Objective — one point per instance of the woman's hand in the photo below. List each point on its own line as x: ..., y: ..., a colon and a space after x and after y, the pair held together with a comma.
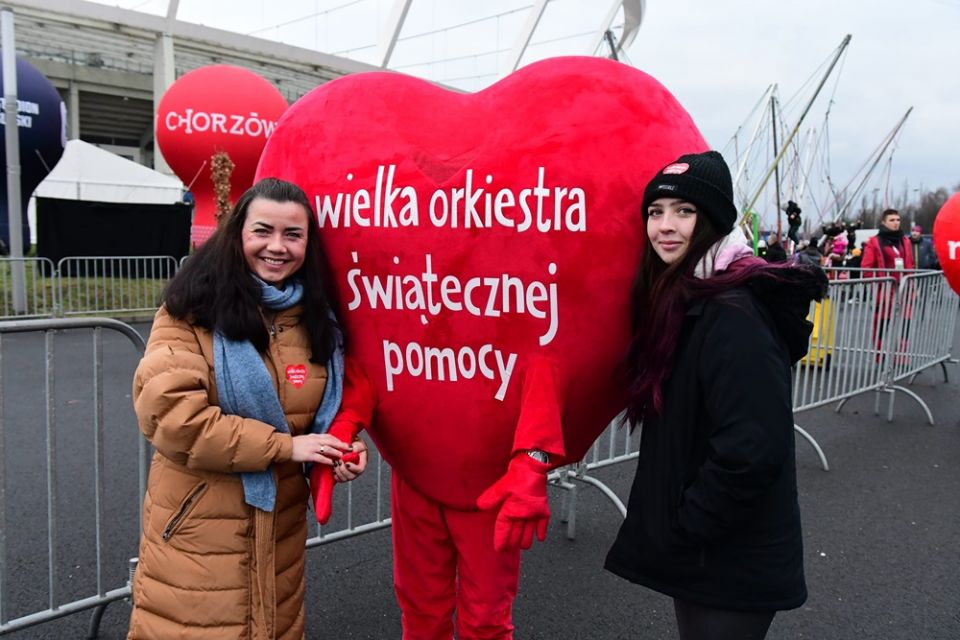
x: 321, y: 448
x: 349, y: 470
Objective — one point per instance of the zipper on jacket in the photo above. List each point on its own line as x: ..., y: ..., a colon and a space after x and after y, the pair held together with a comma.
x: 182, y: 511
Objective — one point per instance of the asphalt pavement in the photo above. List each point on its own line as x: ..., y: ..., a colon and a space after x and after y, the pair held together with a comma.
x: 880, y: 528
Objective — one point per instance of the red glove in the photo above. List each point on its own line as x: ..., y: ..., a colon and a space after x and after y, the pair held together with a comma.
x: 521, y: 495
x: 321, y: 476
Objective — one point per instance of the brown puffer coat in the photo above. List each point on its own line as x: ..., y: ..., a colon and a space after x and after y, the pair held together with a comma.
x: 212, y: 566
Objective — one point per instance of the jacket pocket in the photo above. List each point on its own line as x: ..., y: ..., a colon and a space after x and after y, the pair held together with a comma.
x: 183, y: 511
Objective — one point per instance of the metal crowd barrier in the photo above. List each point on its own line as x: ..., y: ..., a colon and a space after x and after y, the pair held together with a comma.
x: 40, y: 294
x: 353, y: 516
x: 116, y: 285
x: 618, y: 443
x: 65, y: 473
x: 354, y: 513
x: 875, y: 328
x: 928, y: 317
x: 850, y: 353
x: 918, y: 334
x: 360, y: 507
x: 843, y: 358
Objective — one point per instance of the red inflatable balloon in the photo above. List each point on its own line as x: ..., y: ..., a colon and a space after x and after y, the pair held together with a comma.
x: 946, y: 240
x: 216, y: 108
x: 473, y: 235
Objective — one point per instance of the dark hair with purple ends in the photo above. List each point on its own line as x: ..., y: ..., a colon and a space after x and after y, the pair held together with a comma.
x: 661, y: 293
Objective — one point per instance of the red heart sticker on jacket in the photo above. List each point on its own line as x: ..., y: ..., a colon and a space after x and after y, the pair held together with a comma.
x: 472, y: 235
x: 297, y: 374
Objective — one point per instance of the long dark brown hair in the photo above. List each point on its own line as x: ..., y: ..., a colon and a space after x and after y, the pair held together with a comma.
x: 215, y: 290
x: 661, y: 293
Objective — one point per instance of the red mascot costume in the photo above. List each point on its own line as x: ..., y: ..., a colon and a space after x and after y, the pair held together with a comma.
x: 483, y: 247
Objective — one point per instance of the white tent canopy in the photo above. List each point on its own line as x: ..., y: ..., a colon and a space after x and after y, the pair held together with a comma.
x: 87, y: 172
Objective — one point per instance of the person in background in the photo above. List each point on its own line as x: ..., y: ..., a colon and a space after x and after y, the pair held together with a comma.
x: 853, y: 263
x: 793, y: 221
x: 775, y: 250
x: 836, y: 250
x: 924, y: 255
x: 713, y: 519
x: 851, y: 228
x: 242, y: 376
x: 890, y: 252
x: 836, y: 256
x: 808, y: 253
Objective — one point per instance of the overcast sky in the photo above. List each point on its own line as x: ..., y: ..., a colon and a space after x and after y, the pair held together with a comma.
x: 717, y: 57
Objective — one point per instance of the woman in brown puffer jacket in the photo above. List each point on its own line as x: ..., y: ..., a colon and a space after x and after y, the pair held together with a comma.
x: 242, y: 376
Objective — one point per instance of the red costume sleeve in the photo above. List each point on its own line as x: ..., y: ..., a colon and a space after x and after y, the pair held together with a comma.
x: 520, y: 495
x: 539, y: 424
x: 356, y: 411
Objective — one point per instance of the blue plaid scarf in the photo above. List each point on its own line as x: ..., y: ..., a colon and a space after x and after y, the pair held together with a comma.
x: 246, y: 389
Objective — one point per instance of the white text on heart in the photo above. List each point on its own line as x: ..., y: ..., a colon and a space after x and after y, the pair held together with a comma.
x: 445, y: 364
x: 431, y: 293
x: 546, y: 209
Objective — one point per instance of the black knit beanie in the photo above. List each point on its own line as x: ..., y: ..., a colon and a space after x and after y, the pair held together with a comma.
x: 700, y: 178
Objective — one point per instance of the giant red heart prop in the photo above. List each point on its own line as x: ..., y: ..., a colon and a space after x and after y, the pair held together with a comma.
x: 505, y: 225
x: 946, y: 240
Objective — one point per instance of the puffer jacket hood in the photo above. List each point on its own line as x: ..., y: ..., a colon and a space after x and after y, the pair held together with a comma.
x: 786, y: 295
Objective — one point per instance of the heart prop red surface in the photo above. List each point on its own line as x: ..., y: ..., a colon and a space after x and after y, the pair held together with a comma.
x: 471, y: 235
x: 946, y: 240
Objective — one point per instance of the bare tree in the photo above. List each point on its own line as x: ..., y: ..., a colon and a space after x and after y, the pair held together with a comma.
x: 930, y: 203
x: 922, y: 209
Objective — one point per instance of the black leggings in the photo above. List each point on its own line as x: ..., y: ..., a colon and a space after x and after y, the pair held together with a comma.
x: 792, y: 234
x: 696, y: 622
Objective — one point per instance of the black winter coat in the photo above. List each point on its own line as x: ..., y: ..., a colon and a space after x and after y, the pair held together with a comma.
x: 713, y: 516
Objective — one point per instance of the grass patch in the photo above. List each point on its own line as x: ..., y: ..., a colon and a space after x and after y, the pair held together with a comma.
x: 100, y: 295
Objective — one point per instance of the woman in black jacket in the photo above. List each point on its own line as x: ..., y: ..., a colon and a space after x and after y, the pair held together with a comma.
x: 713, y: 519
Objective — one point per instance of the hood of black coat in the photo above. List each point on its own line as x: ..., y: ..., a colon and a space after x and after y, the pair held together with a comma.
x: 786, y: 294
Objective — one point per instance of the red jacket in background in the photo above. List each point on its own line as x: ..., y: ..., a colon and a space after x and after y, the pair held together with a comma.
x: 884, y: 256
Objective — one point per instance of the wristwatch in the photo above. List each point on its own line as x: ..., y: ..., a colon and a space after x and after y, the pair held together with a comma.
x: 539, y: 455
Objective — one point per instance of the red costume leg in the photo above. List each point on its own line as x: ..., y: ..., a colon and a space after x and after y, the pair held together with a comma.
x: 424, y: 564
x: 487, y: 578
